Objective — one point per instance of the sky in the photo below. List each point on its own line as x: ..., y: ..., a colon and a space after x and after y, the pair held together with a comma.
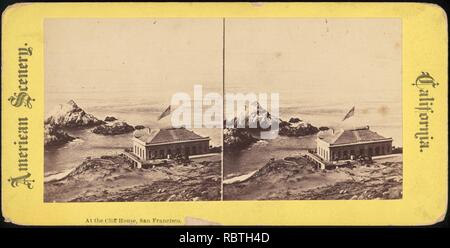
x: 326, y: 59
x: 132, y: 57
x: 323, y: 60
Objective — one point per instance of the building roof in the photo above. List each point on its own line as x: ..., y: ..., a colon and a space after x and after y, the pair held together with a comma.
x: 351, y: 136
x: 169, y: 135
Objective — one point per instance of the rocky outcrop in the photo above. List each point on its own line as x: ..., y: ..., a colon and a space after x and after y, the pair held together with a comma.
x: 257, y: 118
x: 69, y: 115
x: 54, y: 136
x: 246, y: 127
x: 295, y: 127
x: 110, y: 118
x: 236, y: 139
x: 294, y: 120
x: 240, y: 138
x: 115, y: 128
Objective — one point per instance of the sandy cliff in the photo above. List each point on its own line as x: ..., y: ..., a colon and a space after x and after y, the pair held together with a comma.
x: 111, y: 178
x: 295, y: 178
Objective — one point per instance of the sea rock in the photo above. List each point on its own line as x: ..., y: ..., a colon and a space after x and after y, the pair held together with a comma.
x: 256, y: 118
x: 295, y: 127
x: 247, y: 127
x: 237, y: 138
x: 110, y: 118
x: 69, y: 115
x: 113, y: 129
x: 53, y: 136
x: 294, y: 120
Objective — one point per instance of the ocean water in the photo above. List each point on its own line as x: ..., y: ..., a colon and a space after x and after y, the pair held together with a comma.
x: 136, y: 110
x: 380, y: 110
x: 261, y: 152
x: 383, y: 115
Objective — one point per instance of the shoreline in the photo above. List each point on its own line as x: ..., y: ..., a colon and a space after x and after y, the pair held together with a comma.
x: 113, y: 179
x: 59, y: 175
x: 297, y: 178
x: 263, y: 151
x: 240, y: 178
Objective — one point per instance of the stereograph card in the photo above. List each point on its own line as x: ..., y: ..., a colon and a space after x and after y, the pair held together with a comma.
x: 224, y: 114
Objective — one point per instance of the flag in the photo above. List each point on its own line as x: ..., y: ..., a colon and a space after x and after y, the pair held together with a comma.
x: 349, y: 114
x: 165, y: 113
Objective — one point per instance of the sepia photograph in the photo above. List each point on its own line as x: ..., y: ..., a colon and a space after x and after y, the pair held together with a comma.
x: 304, y: 109
x: 109, y: 85
x: 338, y: 117
x: 224, y: 114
